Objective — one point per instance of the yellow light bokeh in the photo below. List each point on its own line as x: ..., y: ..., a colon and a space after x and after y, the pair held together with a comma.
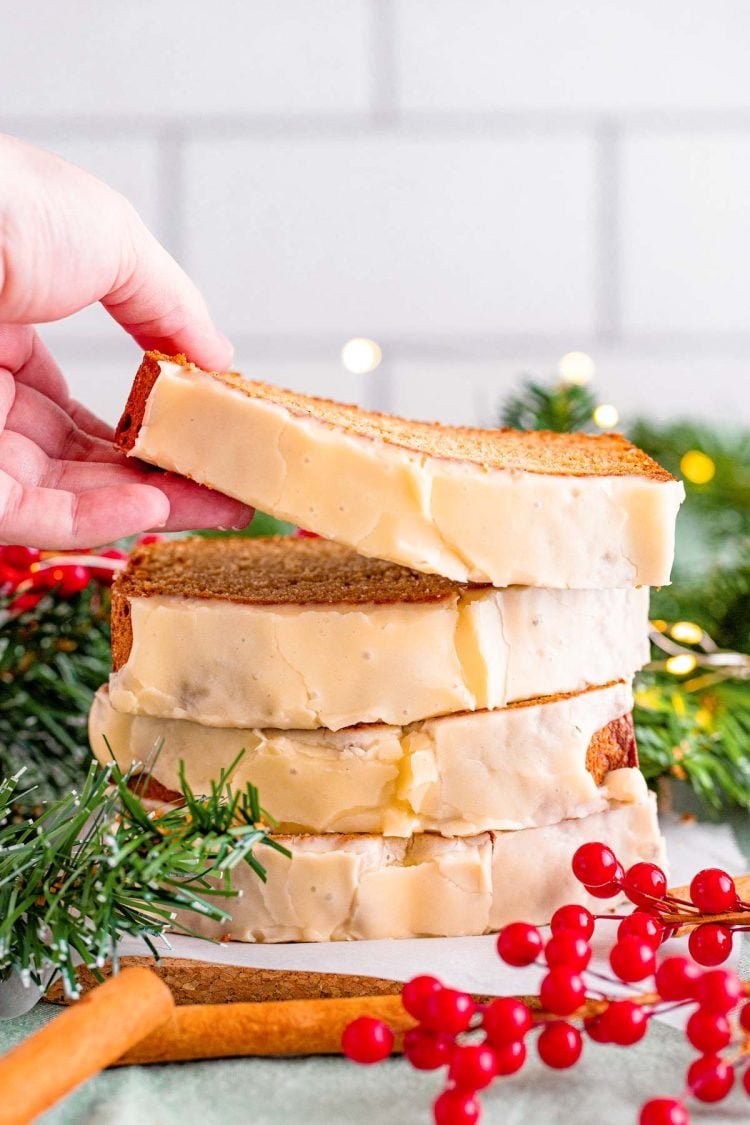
x: 697, y: 467
x: 576, y: 368
x: 682, y: 665
x: 687, y: 632
x: 606, y: 416
x: 361, y: 355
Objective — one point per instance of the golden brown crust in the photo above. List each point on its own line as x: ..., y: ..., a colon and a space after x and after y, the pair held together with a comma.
x: 539, y: 451
x: 275, y: 570
x: 280, y: 570
x: 611, y: 748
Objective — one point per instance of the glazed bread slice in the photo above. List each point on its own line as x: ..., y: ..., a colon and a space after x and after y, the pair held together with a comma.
x: 302, y: 633
x: 489, y: 506
x: 526, y: 765
x: 348, y: 887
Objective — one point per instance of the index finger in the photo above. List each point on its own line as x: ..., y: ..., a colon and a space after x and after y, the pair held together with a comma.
x: 67, y: 241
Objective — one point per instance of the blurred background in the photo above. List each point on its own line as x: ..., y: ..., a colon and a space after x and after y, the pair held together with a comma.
x: 478, y: 188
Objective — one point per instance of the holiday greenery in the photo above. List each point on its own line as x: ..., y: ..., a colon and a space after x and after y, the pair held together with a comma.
x: 97, y: 865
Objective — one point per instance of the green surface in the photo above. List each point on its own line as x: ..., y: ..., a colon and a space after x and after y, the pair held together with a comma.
x: 606, y: 1088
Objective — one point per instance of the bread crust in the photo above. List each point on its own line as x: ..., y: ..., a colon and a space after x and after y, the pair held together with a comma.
x: 536, y: 451
x: 274, y: 570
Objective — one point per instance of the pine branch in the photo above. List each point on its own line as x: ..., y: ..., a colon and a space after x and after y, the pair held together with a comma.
x: 699, y: 735
x: 558, y: 407
x: 52, y: 659
x: 98, y: 865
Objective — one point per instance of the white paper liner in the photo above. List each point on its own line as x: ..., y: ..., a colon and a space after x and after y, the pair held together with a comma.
x: 469, y: 963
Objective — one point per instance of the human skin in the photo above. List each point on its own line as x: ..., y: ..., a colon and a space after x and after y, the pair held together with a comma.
x: 68, y: 241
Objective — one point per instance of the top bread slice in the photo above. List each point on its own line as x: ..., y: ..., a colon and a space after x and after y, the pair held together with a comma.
x: 494, y: 506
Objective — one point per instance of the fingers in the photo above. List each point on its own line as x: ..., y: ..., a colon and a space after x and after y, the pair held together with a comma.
x: 161, y: 308
x: 25, y: 356
x: 58, y: 520
x: 190, y: 505
x: 53, y: 429
x: 193, y: 507
x: 67, y: 241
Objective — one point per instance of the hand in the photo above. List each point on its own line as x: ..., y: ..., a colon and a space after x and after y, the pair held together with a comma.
x: 67, y: 241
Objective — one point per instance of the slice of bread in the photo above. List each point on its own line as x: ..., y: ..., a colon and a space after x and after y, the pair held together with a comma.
x: 350, y: 887
x: 303, y: 633
x: 497, y: 506
x: 522, y: 766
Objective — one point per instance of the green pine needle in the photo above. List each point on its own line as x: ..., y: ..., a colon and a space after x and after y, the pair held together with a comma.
x: 97, y: 865
x: 700, y: 735
x: 52, y: 660
x: 559, y: 407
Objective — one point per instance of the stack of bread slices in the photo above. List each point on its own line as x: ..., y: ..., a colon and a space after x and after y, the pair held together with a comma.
x: 434, y: 698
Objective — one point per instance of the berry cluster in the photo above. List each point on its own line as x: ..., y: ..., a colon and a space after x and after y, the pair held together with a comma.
x: 481, y: 1042
x: 27, y: 574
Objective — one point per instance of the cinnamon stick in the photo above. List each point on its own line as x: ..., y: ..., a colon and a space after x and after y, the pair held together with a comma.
x: 280, y: 1028
x: 84, y: 1039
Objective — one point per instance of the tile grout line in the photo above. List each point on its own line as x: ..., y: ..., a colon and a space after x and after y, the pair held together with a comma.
x: 607, y: 235
x: 170, y: 162
x: 384, y: 62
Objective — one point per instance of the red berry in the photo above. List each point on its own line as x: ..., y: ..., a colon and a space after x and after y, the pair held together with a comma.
x: 632, y: 959
x: 568, y: 948
x: 510, y: 1057
x: 559, y: 1045
x: 74, y: 579
x: 427, y: 1050
x: 624, y: 1023
x: 596, y: 1029
x: 708, y: 1031
x: 713, y: 891
x: 519, y: 944
x: 710, y: 944
x: 416, y: 992
x: 609, y: 889
x: 449, y: 1011
x: 745, y: 1016
x: 147, y: 540
x: 676, y: 978
x: 645, y: 926
x: 10, y: 578
x: 594, y: 864
x: 20, y: 558
x: 473, y: 1066
x: 25, y: 602
x: 645, y: 883
x: 664, y: 1111
x: 718, y: 991
x: 456, y: 1107
x: 367, y: 1040
x: 562, y: 991
x: 746, y: 1080
x: 710, y: 1078
x: 573, y: 917
x: 506, y: 1020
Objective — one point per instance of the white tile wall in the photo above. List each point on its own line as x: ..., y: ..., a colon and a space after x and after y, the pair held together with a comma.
x: 592, y: 55
x: 686, y: 232
x: 185, y: 58
x: 480, y: 186
x: 392, y: 235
